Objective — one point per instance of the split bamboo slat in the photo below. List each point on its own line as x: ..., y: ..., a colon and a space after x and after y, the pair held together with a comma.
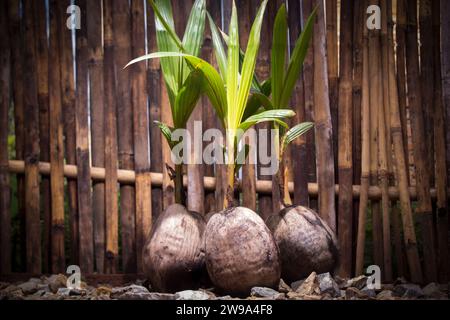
x: 111, y: 156
x: 140, y: 126
x: 5, y: 192
x: 323, y: 125
x: 86, y: 231
x: 97, y: 122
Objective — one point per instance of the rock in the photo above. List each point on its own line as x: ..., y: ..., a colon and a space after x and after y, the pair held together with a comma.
x: 263, y: 292
x: 192, y: 295
x: 408, y: 290
x: 358, y: 282
x: 354, y: 293
x: 11, y: 292
x: 30, y: 287
x: 103, y: 291
x: 224, y: 298
x: 369, y: 292
x: 135, y: 292
x: 328, y: 285
x: 56, y: 281
x: 67, y: 292
x: 296, y: 284
x: 283, y: 287
x: 310, y: 286
x: 432, y: 290
x: 385, y: 295
x: 3, y: 285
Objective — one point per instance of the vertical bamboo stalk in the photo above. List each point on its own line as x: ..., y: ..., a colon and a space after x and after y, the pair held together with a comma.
x: 323, y: 125
x: 111, y: 166
x: 42, y: 54
x: 445, y: 61
x: 376, y: 100
x: 439, y: 149
x: 56, y: 145
x: 298, y: 151
x: 31, y: 152
x: 401, y: 75
x: 122, y: 55
x: 82, y: 142
x: 365, y: 156
x: 409, y: 235
x: 248, y: 170
x: 141, y: 127
x: 424, y: 208
x: 5, y: 193
x: 345, y: 133
x: 426, y: 80
x: 16, y: 39
x: 333, y: 70
x: 154, y: 92
x: 384, y: 145
x: 308, y: 90
x: 95, y: 66
x: 68, y: 107
x: 358, y: 22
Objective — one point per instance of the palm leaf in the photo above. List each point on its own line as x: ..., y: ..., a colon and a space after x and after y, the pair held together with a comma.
x: 218, y: 48
x: 233, y: 69
x: 278, y: 57
x: 265, y: 116
x: 295, y: 132
x: 166, y: 131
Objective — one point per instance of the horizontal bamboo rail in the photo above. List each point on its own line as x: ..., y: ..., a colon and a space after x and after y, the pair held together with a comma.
x: 262, y: 186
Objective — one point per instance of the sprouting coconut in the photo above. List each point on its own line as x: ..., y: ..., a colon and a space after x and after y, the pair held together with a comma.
x: 305, y: 241
x: 240, y: 251
x: 174, y: 255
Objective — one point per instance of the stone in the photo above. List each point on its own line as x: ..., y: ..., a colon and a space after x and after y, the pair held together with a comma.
x: 56, y: 281
x: 408, y: 290
x: 296, y: 284
x: 30, y: 287
x: 353, y: 293
x: 67, y: 292
x: 283, y: 287
x: 11, y: 292
x: 358, y: 282
x: 385, y: 295
x: 263, y: 292
x: 225, y: 298
x: 328, y: 285
x: 369, y: 292
x: 103, y: 291
x: 432, y: 290
x: 310, y: 286
x: 192, y: 295
x: 135, y: 292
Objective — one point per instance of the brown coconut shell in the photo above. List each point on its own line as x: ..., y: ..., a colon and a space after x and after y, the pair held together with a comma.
x: 240, y: 252
x: 174, y: 255
x: 305, y: 241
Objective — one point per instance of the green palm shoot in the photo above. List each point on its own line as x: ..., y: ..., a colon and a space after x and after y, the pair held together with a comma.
x: 182, y: 82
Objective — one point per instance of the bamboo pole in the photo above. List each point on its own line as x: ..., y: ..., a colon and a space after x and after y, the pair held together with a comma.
x: 308, y: 84
x: 262, y: 186
x: 97, y: 111
x: 56, y: 145
x: 154, y: 93
x: 332, y: 53
x: 409, y: 235
x: 426, y: 81
x: 68, y: 107
x: 16, y: 35
x: 424, y: 208
x: 122, y: 55
x: 384, y: 146
x: 445, y: 61
x: 298, y: 149
x: 42, y: 54
x: 401, y: 77
x: 345, y: 133
x: 323, y: 125
x: 141, y: 127
x: 31, y: 152
x: 82, y: 143
x: 365, y: 157
x: 5, y: 192
x: 111, y: 165
x: 439, y: 149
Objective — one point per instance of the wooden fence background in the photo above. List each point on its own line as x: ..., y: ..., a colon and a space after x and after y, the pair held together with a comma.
x: 82, y: 168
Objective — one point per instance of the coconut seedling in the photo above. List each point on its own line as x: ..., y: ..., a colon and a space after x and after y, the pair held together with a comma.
x: 173, y: 256
x: 305, y: 241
